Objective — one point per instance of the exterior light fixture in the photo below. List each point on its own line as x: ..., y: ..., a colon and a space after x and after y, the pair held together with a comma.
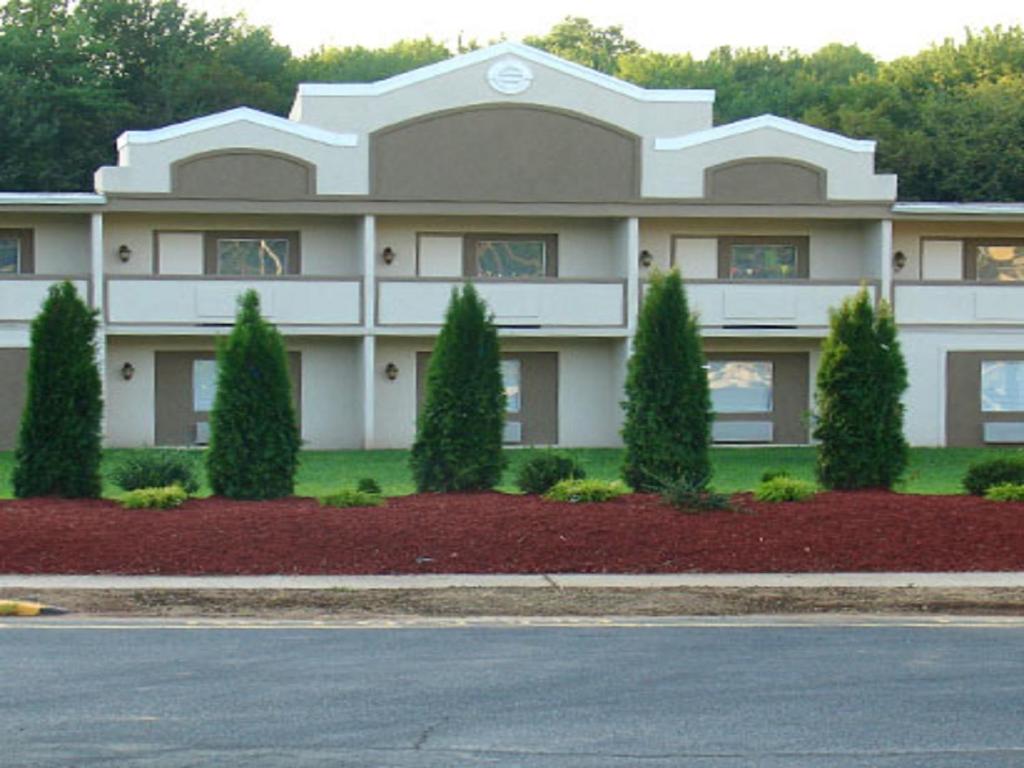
x: 388, y: 254
x: 391, y: 371
x: 127, y: 371
x: 899, y: 261
x: 124, y: 253
x: 646, y: 258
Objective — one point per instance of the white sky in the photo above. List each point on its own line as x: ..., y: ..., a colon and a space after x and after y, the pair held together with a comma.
x: 887, y: 29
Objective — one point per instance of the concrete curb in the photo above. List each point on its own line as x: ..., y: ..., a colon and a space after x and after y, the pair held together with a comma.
x: 966, y: 580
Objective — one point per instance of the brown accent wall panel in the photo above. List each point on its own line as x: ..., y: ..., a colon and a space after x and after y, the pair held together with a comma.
x: 766, y: 180
x: 964, y: 417
x: 13, y: 373
x: 790, y: 393
x: 243, y: 175
x: 175, y: 416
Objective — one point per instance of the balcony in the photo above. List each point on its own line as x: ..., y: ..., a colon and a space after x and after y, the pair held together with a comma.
x: 21, y: 296
x: 959, y: 303
x: 777, y: 304
x: 534, y: 303
x: 189, y: 301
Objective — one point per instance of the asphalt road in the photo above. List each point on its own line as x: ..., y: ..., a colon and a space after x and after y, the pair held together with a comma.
x: 731, y: 693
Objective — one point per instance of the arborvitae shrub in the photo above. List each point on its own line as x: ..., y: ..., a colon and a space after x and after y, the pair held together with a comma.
x: 861, y: 379
x: 538, y: 474
x: 458, y: 435
x: 982, y: 475
x: 157, y: 469
x: 254, y: 434
x: 58, y: 451
x: 668, y: 406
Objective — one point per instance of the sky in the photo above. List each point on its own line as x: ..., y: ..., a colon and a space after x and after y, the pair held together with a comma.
x: 886, y: 28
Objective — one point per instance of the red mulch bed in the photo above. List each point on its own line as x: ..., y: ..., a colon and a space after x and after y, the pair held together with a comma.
x: 495, y: 533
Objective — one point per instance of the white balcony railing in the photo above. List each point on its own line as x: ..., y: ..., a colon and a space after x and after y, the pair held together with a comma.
x: 165, y: 300
x: 21, y: 296
x: 959, y: 303
x: 550, y: 302
x: 804, y: 303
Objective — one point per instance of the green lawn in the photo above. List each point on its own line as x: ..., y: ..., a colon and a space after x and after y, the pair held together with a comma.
x: 932, y: 470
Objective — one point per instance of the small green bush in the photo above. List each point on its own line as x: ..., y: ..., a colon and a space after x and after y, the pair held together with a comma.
x: 369, y: 485
x: 1005, y: 492
x: 784, y: 488
x: 350, y: 497
x: 580, y: 491
x: 770, y: 474
x: 155, y: 498
x: 157, y: 469
x: 983, y: 475
x: 541, y: 473
x: 689, y: 494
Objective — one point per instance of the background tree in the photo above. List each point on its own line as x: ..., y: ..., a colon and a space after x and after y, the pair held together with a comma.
x: 459, y: 433
x: 254, y: 434
x: 58, y: 451
x: 667, y: 426
x: 861, y: 379
x: 577, y: 39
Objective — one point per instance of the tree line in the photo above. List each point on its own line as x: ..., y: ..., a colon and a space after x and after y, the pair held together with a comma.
x: 73, y: 75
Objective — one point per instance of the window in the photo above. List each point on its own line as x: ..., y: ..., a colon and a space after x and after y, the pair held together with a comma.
x: 762, y: 258
x: 511, y: 256
x: 511, y: 376
x: 204, y: 385
x: 740, y: 386
x: 1002, y: 385
x: 1001, y: 262
x: 252, y: 254
x: 15, y: 251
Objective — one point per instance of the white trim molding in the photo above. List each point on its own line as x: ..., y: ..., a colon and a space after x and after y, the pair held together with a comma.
x: 669, y: 144
x: 493, y: 52
x: 51, y: 198
x: 959, y: 209
x: 238, y: 115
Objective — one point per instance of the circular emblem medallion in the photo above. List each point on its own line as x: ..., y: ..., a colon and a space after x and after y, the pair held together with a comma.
x: 509, y: 76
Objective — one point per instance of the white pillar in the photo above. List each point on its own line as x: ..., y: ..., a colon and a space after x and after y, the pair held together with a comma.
x: 98, y: 302
x: 885, y: 254
x: 632, y: 246
x: 369, y: 227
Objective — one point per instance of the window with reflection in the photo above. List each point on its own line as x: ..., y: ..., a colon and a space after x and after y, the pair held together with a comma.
x: 249, y: 256
x: 510, y: 258
x: 762, y: 261
x: 1002, y: 385
x: 204, y: 385
x: 1004, y: 263
x: 511, y: 376
x: 740, y: 386
x: 10, y: 254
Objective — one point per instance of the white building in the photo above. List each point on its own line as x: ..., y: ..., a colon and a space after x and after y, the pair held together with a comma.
x: 555, y: 189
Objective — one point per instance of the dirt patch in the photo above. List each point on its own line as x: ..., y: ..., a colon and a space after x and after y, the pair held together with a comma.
x: 345, y: 604
x: 499, y: 533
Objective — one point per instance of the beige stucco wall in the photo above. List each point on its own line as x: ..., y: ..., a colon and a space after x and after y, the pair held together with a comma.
x: 331, y: 395
x: 588, y: 389
x: 907, y: 236
x: 330, y: 245
x: 586, y: 247
x: 60, y: 241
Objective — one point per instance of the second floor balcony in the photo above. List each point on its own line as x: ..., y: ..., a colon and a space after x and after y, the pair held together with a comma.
x: 22, y: 296
x: 959, y: 302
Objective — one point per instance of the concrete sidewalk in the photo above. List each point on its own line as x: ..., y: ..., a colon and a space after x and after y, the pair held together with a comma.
x: 967, y: 580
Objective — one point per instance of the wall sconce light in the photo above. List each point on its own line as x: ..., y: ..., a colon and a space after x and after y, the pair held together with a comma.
x: 899, y: 261
x: 388, y: 254
x: 391, y: 371
x: 127, y: 371
x: 124, y: 253
x: 646, y: 258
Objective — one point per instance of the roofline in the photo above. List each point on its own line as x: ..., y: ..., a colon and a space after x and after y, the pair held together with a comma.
x: 959, y: 209
x: 504, y: 49
x: 668, y: 144
x: 238, y: 114
x: 52, y: 198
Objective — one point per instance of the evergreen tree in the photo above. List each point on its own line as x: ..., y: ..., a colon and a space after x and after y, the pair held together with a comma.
x: 59, y: 450
x: 668, y: 406
x: 861, y: 379
x: 459, y: 433
x: 254, y: 434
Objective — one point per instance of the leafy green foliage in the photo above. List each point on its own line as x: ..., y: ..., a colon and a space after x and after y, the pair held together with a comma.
x: 351, y: 497
x: 584, y: 491
x: 58, y: 451
x: 155, y: 498
x: 543, y: 471
x: 254, y: 434
x: 369, y: 485
x: 667, y: 427
x: 982, y: 475
x: 1005, y: 492
x: 861, y: 379
x: 156, y: 469
x: 577, y: 39
x: 783, y: 488
x: 458, y: 434
x: 692, y: 495
x: 771, y: 474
